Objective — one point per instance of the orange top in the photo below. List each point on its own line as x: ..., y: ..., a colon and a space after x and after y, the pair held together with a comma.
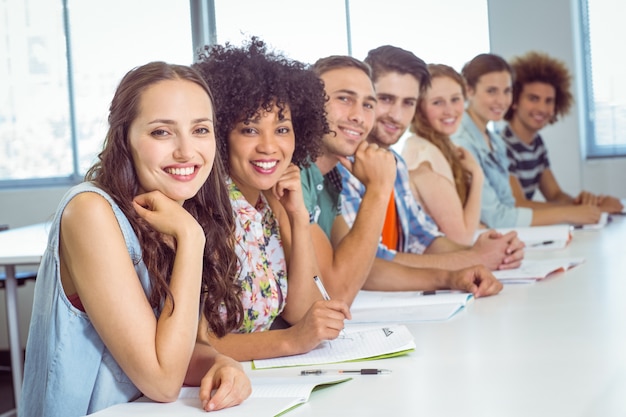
x: 390, y: 233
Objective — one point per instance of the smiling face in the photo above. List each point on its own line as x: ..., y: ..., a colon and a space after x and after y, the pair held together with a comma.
x: 259, y: 151
x: 535, y: 107
x: 490, y: 98
x: 172, y: 139
x: 443, y: 105
x: 397, y: 99
x: 350, y: 109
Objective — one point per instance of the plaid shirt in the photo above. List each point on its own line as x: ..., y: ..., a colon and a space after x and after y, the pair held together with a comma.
x: 418, y: 228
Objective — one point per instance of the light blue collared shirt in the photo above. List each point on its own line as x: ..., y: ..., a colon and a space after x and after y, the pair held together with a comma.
x: 497, y: 204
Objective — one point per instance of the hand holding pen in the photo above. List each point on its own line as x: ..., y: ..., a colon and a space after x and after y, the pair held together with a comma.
x: 325, y: 296
x: 323, y: 321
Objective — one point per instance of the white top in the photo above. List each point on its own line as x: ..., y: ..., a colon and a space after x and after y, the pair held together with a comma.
x: 418, y: 150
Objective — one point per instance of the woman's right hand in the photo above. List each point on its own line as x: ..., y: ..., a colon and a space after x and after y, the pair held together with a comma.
x: 323, y: 321
x: 166, y: 215
x: 224, y: 385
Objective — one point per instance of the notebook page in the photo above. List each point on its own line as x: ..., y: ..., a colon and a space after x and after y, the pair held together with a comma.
x: 358, y: 345
x: 398, y: 307
x: 270, y: 396
x: 537, y: 269
x: 295, y: 387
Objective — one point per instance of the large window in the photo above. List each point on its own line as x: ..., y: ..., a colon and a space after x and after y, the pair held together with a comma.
x: 35, y: 138
x: 62, y: 59
x: 603, y: 26
x: 444, y: 31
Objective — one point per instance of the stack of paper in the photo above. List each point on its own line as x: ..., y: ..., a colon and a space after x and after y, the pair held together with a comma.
x: 356, y: 345
x: 534, y: 270
x: 406, y: 306
x: 270, y: 396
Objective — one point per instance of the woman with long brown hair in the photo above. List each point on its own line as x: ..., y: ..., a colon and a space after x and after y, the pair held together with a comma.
x: 135, y: 253
x: 445, y: 178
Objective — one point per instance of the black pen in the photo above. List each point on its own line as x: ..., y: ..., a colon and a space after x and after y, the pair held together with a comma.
x: 545, y: 242
x: 365, y: 371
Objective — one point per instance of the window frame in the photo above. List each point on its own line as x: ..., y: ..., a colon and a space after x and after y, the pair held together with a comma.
x: 588, y: 116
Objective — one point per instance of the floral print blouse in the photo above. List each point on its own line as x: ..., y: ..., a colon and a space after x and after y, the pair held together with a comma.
x: 262, y: 265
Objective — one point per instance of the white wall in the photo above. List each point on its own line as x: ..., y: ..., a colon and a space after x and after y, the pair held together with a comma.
x: 515, y: 26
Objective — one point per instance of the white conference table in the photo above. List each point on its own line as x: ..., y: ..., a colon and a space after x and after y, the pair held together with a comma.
x: 19, y: 246
x: 553, y: 348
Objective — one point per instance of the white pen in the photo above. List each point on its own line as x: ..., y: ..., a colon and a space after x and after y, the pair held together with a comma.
x: 320, y: 286
x: 325, y: 296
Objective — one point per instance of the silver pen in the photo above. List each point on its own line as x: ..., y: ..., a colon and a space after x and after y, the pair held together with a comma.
x: 325, y: 296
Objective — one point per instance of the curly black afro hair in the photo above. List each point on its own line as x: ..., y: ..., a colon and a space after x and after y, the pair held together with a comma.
x: 245, y: 80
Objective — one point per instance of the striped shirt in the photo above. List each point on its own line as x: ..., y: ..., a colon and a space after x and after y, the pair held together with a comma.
x: 527, y: 161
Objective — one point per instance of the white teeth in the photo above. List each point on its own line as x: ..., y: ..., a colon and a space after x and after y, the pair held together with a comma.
x: 352, y: 132
x: 180, y: 171
x: 266, y: 165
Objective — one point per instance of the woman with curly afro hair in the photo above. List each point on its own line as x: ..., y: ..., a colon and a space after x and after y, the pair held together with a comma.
x: 270, y: 120
x: 541, y: 94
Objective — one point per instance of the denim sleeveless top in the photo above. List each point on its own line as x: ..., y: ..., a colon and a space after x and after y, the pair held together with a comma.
x: 68, y: 371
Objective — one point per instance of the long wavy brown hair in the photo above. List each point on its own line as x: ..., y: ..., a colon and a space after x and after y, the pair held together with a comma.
x: 114, y: 172
x: 422, y: 127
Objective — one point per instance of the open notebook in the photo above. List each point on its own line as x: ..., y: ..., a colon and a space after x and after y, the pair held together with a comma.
x: 406, y: 306
x: 271, y: 396
x: 533, y: 270
x: 358, y: 344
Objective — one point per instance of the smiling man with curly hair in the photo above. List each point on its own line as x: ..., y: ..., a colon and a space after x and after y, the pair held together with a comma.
x: 541, y: 95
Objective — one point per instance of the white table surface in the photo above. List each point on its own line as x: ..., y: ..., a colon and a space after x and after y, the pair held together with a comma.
x: 23, y: 245
x: 19, y: 246
x: 553, y: 348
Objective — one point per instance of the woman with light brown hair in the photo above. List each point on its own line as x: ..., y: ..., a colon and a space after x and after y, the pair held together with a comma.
x: 445, y: 178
